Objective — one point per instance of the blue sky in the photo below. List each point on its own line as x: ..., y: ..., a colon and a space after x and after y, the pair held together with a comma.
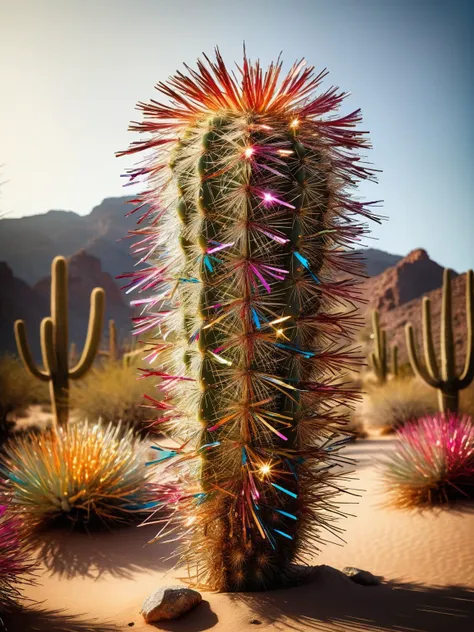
x: 72, y: 71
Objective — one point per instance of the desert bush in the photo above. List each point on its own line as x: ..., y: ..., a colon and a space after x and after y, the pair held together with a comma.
x: 112, y: 391
x: 389, y: 406
x: 18, y: 390
x: 433, y: 461
x: 16, y: 562
x: 85, y: 473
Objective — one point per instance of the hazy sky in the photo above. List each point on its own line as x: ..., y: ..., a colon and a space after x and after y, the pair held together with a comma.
x: 71, y: 72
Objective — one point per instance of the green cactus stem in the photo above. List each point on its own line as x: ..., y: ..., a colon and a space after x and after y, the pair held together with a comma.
x: 250, y: 223
x: 55, y: 343
x: 112, y: 350
x: 443, y: 376
x: 394, y: 367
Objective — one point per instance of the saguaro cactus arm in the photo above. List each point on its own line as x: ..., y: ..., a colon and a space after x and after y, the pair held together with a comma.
x: 417, y: 366
x: 467, y: 375
x: 378, y: 357
x: 47, y: 345
x: 429, y: 352
x: 94, y: 333
x: 395, y: 361
x: 448, y: 359
x: 25, y: 353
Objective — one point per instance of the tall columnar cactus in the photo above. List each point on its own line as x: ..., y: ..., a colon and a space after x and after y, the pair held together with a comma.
x: 55, y: 342
x: 443, y: 377
x: 378, y: 359
x: 111, y: 352
x: 250, y: 222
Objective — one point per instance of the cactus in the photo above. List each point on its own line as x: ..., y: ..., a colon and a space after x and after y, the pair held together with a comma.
x: 251, y: 216
x: 112, y: 351
x: 444, y: 377
x: 378, y: 359
x: 395, y: 371
x: 55, y: 343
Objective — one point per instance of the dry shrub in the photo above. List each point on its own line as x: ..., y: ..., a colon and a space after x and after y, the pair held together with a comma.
x: 398, y: 401
x: 18, y: 389
x: 112, y: 392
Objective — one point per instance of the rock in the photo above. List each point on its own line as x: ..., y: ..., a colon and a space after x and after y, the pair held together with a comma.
x: 169, y: 603
x: 364, y: 578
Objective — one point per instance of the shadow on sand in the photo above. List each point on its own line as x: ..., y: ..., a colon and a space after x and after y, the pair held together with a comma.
x: 197, y: 620
x: 119, y: 553
x: 332, y: 602
x: 36, y: 619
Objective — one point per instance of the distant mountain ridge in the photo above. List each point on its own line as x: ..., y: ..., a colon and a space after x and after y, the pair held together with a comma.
x: 28, y: 244
x: 99, y: 250
x: 20, y: 301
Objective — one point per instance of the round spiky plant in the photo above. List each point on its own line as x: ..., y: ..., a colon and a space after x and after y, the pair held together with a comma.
x: 247, y: 288
x: 84, y: 473
x: 433, y: 461
x: 16, y: 563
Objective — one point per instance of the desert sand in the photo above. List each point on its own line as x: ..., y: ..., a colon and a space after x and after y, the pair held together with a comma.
x: 98, y: 582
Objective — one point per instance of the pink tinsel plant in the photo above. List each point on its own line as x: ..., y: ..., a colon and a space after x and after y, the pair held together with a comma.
x: 16, y: 564
x: 433, y: 462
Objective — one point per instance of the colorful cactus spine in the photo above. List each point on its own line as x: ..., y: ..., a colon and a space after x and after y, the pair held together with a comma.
x: 444, y: 377
x: 250, y: 217
x: 55, y: 343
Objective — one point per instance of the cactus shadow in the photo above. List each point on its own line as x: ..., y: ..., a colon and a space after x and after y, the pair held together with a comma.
x: 331, y: 601
x: 36, y: 619
x: 120, y: 553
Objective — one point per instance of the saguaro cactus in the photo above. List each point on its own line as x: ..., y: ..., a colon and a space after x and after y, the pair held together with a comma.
x: 111, y: 352
x: 55, y: 342
x: 378, y: 359
x: 444, y: 378
x: 248, y: 194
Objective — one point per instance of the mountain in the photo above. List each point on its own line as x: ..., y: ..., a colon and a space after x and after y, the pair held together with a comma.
x: 394, y: 321
x: 102, y: 233
x: 410, y: 277
x: 20, y: 301
x: 377, y: 261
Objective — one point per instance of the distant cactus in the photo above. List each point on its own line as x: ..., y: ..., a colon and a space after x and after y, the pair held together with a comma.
x: 444, y: 378
x: 112, y: 351
x: 55, y: 343
x: 378, y: 359
x: 395, y: 371
x: 251, y: 216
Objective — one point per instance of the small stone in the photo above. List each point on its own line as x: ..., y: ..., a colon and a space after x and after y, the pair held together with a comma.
x: 169, y: 603
x: 130, y: 625
x: 255, y: 622
x: 364, y: 578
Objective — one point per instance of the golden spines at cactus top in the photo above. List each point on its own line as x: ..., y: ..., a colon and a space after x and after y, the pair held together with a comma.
x: 248, y: 195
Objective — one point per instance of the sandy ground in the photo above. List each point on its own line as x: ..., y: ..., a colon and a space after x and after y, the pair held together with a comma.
x: 99, y: 582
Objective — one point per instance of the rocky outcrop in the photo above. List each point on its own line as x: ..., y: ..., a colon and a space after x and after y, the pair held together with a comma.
x: 414, y: 275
